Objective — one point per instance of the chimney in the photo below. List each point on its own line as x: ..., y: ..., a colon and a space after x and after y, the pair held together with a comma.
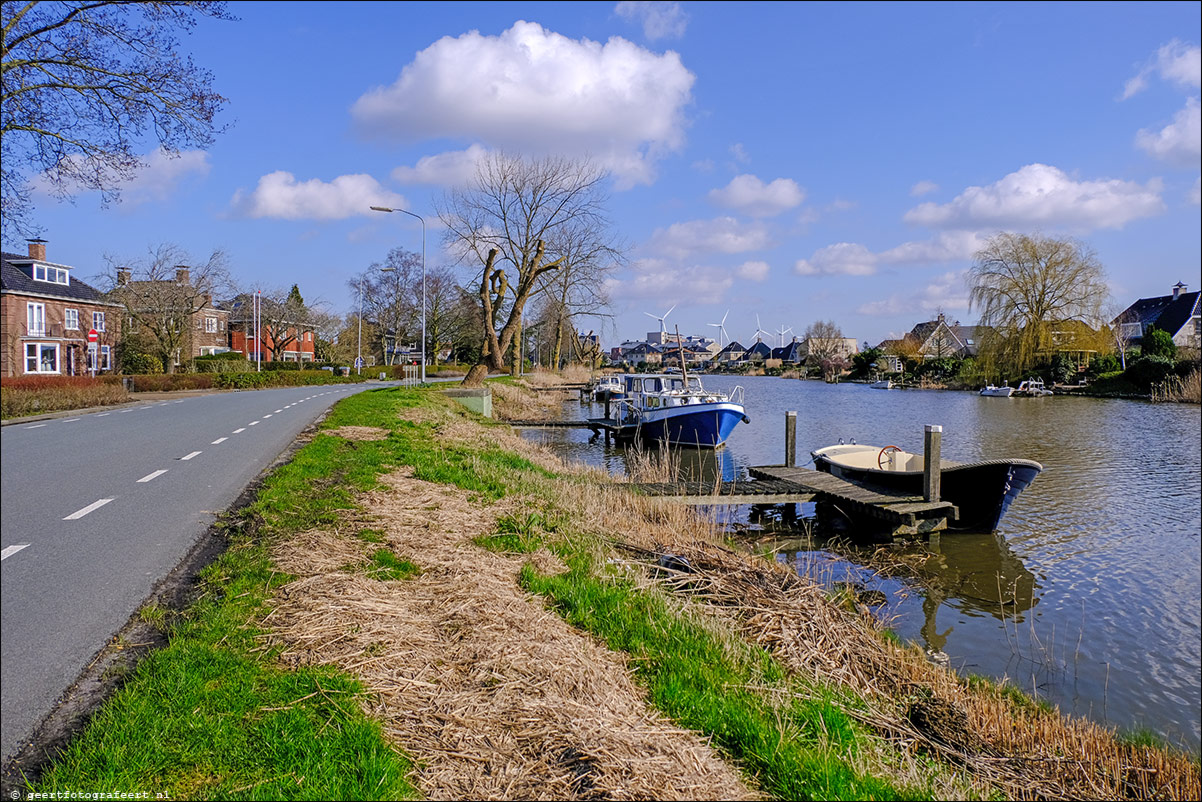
x: 123, y: 275
x: 1178, y: 288
x: 181, y: 274
x: 37, y: 249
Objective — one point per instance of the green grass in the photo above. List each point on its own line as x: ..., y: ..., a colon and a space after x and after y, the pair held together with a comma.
x: 386, y: 565
x: 794, y: 747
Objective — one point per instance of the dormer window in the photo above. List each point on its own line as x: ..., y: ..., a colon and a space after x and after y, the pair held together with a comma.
x: 54, y: 275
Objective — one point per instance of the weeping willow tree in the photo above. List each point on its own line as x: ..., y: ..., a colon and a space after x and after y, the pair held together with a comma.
x: 1029, y: 288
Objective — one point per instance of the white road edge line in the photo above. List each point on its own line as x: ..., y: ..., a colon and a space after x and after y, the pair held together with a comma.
x: 95, y: 505
x: 150, y: 476
x: 36, y: 426
x: 11, y: 550
x: 187, y: 457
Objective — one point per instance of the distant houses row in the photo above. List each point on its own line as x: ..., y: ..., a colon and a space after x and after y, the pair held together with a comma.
x: 55, y: 324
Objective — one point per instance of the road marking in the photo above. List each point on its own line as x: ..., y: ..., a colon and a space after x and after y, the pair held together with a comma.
x: 36, y: 426
x: 219, y: 440
x: 253, y: 423
x: 239, y: 431
x: 150, y: 476
x: 278, y: 411
x: 68, y: 420
x: 102, y: 414
x: 268, y: 415
x: 187, y: 457
x: 95, y: 505
x: 11, y: 550
x: 143, y: 407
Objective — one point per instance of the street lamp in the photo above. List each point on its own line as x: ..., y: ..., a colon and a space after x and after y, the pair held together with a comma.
x: 359, y: 361
x: 423, y: 222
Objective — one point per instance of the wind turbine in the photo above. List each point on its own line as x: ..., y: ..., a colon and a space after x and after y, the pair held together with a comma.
x: 758, y: 330
x: 721, y: 327
x: 782, y: 331
x: 661, y: 320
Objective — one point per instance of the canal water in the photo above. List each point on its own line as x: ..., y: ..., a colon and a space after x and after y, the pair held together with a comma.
x: 1089, y: 596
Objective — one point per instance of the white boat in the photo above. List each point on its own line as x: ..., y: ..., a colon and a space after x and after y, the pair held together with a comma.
x: 608, y: 388
x: 676, y: 409
x: 883, y: 384
x: 1032, y: 388
x: 982, y: 491
x: 997, y: 392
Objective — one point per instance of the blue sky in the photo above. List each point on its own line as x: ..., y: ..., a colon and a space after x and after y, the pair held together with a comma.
x: 794, y: 162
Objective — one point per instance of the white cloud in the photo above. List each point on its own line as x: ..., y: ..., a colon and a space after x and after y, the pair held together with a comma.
x: 453, y: 168
x: 740, y: 153
x: 842, y: 258
x: 751, y: 196
x: 657, y: 283
x: 720, y: 235
x: 1180, y: 142
x: 279, y: 195
x: 535, y: 91
x: 660, y: 20
x: 1175, y: 62
x: 753, y: 271
x: 947, y: 293
x: 923, y: 188
x: 1039, y: 195
x: 157, y: 178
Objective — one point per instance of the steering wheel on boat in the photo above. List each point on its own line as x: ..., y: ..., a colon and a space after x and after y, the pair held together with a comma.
x: 880, y: 458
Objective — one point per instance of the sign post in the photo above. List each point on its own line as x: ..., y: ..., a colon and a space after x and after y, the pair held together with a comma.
x: 93, y: 349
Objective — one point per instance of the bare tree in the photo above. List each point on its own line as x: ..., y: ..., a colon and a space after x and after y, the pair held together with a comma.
x: 283, y: 319
x: 82, y: 84
x: 1024, y: 285
x: 162, y: 291
x: 391, y: 297
x: 513, y: 225
x: 825, y: 347
x: 577, y: 289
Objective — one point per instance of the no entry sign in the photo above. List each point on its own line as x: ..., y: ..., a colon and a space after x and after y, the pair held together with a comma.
x: 93, y: 336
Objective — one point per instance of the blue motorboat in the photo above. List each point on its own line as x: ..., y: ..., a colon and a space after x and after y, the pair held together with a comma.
x: 676, y: 409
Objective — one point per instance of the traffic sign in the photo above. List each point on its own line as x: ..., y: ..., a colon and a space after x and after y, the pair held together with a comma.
x: 359, y: 362
x: 93, y: 336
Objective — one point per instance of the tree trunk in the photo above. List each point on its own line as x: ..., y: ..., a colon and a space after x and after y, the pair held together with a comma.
x: 515, y: 367
x: 476, y: 375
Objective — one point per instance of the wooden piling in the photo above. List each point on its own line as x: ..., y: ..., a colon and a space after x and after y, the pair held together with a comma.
x: 932, y: 469
x: 790, y: 439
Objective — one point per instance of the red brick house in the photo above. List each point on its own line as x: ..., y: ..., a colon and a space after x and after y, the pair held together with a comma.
x: 282, y: 339
x: 47, y: 314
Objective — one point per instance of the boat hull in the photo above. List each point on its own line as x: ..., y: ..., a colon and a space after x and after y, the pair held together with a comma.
x: 694, y: 425
x: 982, y: 491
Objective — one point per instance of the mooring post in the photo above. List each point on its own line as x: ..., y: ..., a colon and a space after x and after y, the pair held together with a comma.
x: 790, y: 439
x: 932, y: 469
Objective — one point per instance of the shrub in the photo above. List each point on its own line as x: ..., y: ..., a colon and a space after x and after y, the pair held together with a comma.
x: 228, y: 362
x: 32, y: 395
x: 167, y: 382
x: 1148, y: 370
x: 1104, y: 363
x: 138, y: 362
x: 1158, y: 342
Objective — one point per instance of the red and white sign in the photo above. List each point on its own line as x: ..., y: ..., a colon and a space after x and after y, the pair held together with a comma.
x: 93, y: 336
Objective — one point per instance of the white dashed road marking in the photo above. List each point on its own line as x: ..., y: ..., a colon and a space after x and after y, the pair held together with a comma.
x: 219, y: 440
x: 187, y: 457
x: 11, y: 550
x: 95, y: 505
x: 150, y: 476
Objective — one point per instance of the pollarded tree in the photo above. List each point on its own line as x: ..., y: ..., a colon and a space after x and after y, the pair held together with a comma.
x: 1026, y: 286
x: 518, y: 220
x: 84, y: 84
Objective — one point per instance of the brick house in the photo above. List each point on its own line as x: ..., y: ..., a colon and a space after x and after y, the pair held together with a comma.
x: 47, y: 315
x: 297, y: 342
x: 175, y: 310
x: 1180, y: 314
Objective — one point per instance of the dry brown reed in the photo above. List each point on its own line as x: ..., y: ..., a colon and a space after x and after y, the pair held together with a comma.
x: 493, y: 696
x: 1179, y: 390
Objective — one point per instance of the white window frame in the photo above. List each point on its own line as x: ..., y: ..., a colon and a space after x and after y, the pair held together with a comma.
x: 106, y: 357
x: 35, y: 319
x: 98, y: 321
x: 38, y: 355
x: 51, y: 275
x: 71, y: 319
x: 210, y: 325
x: 1132, y: 329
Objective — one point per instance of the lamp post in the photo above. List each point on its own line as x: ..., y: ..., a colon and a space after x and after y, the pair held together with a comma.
x: 359, y: 360
x: 423, y: 222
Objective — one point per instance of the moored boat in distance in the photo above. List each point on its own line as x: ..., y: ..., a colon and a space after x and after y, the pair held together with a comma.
x: 676, y: 409
x: 608, y: 388
x: 1032, y: 388
x: 883, y: 384
x: 997, y: 392
x: 982, y: 491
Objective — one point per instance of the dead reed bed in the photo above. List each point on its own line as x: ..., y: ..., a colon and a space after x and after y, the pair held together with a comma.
x: 1178, y: 390
x: 491, y: 694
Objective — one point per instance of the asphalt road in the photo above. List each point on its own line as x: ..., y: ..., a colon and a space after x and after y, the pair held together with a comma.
x: 99, y: 507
